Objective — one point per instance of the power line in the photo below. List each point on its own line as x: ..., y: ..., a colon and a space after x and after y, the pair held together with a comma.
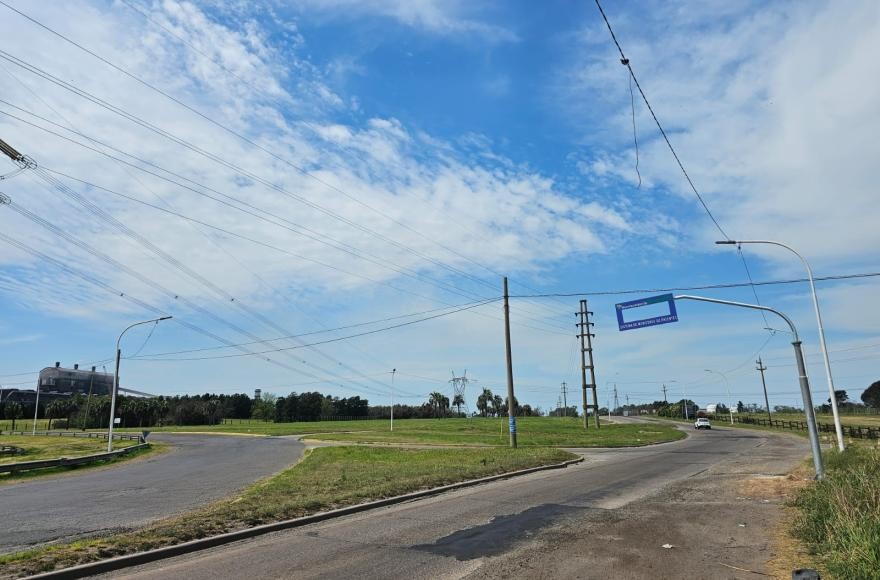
x: 235, y: 203
x: 625, y: 61
x: 329, y: 340
x: 271, y: 153
x: 704, y: 287
x: 180, y: 141
x: 458, y: 308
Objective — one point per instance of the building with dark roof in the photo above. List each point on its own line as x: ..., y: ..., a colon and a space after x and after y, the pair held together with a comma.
x: 71, y: 381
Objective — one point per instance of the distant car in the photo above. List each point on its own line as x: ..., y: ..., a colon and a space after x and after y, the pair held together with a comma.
x: 702, y: 423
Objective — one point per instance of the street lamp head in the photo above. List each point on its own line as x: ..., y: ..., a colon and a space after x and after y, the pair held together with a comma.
x: 169, y: 317
x: 726, y: 242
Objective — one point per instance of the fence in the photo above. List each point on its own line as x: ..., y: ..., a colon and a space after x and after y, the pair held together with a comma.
x: 68, y: 462
x: 854, y: 431
x: 88, y: 434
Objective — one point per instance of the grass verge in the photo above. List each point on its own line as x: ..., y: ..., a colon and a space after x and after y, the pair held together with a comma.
x: 838, y: 518
x: 326, y: 478
x: 47, y: 447
x: 531, y: 431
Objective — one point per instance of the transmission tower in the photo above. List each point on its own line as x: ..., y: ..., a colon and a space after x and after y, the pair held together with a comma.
x: 459, y: 386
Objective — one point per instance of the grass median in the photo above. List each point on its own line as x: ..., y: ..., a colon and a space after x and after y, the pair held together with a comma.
x: 52, y: 447
x: 325, y: 479
x: 531, y: 431
x: 39, y: 447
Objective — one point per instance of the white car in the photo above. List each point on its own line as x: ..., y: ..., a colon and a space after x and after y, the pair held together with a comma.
x: 702, y: 423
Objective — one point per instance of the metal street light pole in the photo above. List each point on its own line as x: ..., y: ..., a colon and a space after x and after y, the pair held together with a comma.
x: 116, y: 376
x: 837, y: 426
x: 804, y: 382
x: 727, y: 384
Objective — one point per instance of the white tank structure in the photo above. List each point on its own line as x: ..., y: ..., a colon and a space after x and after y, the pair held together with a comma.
x: 710, y: 409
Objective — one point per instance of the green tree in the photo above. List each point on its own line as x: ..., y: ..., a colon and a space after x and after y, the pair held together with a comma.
x: 457, y: 402
x: 871, y: 396
x: 484, y: 401
x: 436, y: 401
x: 497, y: 405
x: 55, y: 410
x: 841, y: 397
x: 14, y: 411
x: 264, y: 407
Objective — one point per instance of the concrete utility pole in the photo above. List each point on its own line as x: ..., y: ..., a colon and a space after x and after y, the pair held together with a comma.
x: 763, y: 368
x: 833, y: 398
x: 393, y: 371
x: 586, y: 337
x: 36, y: 409
x: 511, y: 411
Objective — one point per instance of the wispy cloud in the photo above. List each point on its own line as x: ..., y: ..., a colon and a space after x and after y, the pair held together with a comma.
x: 775, y: 128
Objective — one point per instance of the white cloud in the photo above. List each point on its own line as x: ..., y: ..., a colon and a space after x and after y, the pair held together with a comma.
x: 772, y: 111
x: 405, y: 201
x: 443, y: 17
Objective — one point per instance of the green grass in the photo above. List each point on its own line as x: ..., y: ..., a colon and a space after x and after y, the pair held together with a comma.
x: 839, y: 517
x: 855, y: 420
x: 48, y: 447
x: 23, y: 424
x: 327, y: 478
x: 531, y: 431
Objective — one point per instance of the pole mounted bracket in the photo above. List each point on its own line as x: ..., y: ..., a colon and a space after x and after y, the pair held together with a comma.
x: 5, y: 199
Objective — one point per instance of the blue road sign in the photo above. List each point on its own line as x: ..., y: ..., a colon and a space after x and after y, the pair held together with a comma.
x: 653, y: 321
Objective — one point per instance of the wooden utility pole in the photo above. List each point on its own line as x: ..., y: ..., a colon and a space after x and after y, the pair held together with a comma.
x: 763, y: 368
x: 586, y: 337
x: 511, y: 411
x: 664, y: 394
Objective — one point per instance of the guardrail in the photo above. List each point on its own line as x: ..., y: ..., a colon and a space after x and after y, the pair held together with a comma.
x: 88, y: 434
x: 68, y: 461
x: 854, y: 431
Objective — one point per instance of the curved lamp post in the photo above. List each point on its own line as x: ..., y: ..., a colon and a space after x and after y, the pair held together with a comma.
x: 837, y: 426
x: 727, y: 384
x: 116, y: 377
x: 810, y: 413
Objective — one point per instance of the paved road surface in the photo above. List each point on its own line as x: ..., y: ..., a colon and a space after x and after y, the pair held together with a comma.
x: 198, y: 469
x: 502, y: 529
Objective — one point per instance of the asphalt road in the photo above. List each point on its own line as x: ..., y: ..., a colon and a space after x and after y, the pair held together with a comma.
x: 196, y: 470
x: 501, y: 529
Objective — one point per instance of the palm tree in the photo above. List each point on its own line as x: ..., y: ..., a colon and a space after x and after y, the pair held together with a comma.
x: 497, y: 405
x: 436, y: 401
x: 484, y: 401
x: 13, y: 410
x: 457, y: 402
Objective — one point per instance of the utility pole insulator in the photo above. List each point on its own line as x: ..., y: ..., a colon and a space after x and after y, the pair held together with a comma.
x: 10, y: 152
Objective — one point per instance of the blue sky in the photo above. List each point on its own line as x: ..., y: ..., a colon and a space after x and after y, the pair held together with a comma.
x: 401, y: 156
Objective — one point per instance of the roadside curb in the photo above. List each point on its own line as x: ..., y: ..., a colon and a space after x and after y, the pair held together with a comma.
x: 136, y: 559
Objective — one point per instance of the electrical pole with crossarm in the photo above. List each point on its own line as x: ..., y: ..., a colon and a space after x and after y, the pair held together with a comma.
x: 761, y: 368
